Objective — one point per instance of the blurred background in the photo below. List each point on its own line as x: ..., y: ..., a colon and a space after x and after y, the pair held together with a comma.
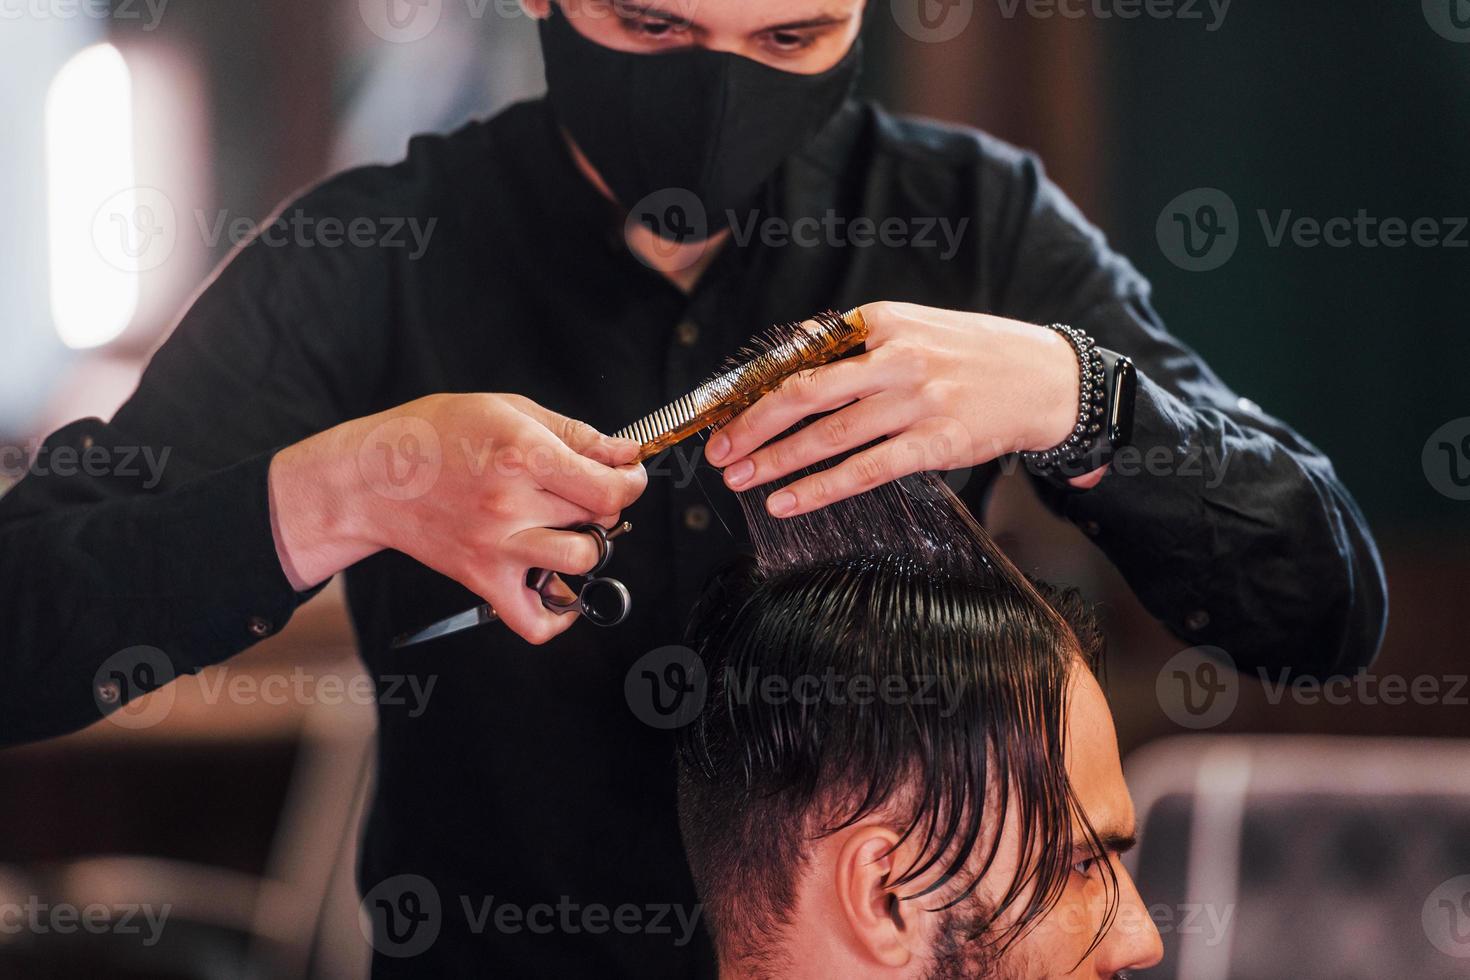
x: 1287, y: 832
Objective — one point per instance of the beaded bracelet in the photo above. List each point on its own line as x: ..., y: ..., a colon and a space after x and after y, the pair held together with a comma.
x: 1090, y: 403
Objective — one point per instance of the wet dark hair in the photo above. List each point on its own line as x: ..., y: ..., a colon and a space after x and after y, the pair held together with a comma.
x: 903, y: 587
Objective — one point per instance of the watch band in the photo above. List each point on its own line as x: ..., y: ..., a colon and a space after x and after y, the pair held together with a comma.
x: 1110, y: 429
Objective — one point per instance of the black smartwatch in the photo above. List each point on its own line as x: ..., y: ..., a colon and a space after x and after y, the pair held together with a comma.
x: 1120, y: 388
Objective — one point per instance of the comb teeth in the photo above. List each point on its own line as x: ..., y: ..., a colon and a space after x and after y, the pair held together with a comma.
x: 667, y: 419
x: 766, y: 361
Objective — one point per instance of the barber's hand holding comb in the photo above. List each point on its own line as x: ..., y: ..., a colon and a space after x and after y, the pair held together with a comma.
x: 942, y: 389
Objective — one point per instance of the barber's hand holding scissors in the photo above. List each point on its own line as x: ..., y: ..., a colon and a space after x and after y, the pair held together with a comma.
x: 943, y: 389
x: 476, y: 486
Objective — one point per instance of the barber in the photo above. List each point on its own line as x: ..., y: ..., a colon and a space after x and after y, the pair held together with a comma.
x: 320, y: 414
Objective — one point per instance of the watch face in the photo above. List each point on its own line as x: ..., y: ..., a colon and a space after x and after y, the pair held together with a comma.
x: 1120, y: 407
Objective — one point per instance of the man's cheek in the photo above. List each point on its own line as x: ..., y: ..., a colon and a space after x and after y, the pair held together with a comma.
x: 1064, y: 935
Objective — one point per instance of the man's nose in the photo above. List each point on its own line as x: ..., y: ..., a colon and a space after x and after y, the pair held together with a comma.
x: 1133, y: 942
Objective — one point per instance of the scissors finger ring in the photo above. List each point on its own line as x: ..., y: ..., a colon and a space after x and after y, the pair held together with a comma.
x: 602, y: 601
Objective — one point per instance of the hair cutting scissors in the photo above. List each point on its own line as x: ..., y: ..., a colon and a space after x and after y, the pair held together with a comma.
x: 601, y: 601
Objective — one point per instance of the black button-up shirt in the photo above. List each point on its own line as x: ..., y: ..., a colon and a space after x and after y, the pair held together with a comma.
x: 527, y: 781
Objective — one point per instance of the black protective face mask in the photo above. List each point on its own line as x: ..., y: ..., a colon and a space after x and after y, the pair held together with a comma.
x: 694, y: 122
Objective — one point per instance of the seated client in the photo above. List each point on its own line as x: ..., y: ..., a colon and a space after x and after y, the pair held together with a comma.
x: 904, y: 766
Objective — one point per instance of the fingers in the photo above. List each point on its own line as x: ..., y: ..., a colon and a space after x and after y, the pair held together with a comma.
x: 503, y: 584
x: 542, y: 508
x: 879, y: 415
x: 582, y: 438
x: 519, y: 607
x: 568, y: 474
x: 802, y: 394
x: 570, y: 552
x: 912, y: 452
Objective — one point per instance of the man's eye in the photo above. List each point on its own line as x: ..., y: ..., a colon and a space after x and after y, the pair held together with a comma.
x: 789, y: 41
x: 653, y: 29
x: 1085, y: 867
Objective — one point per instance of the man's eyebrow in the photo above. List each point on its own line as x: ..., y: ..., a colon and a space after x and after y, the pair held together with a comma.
x: 1113, y: 841
x: 821, y: 20
x: 628, y: 8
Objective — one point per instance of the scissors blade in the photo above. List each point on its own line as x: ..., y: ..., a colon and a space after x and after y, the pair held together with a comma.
x: 468, y: 619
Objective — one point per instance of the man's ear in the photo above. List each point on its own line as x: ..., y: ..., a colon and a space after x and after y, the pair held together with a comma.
x: 536, y: 9
x: 878, y: 923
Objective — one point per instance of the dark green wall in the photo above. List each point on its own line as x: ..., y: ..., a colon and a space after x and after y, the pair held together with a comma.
x: 1323, y: 110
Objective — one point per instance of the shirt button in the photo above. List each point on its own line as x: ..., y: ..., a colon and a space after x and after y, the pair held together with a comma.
x: 687, y: 333
x: 1091, y: 528
x: 1196, y: 620
x: 696, y: 518
x: 258, y: 626
x: 108, y: 692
